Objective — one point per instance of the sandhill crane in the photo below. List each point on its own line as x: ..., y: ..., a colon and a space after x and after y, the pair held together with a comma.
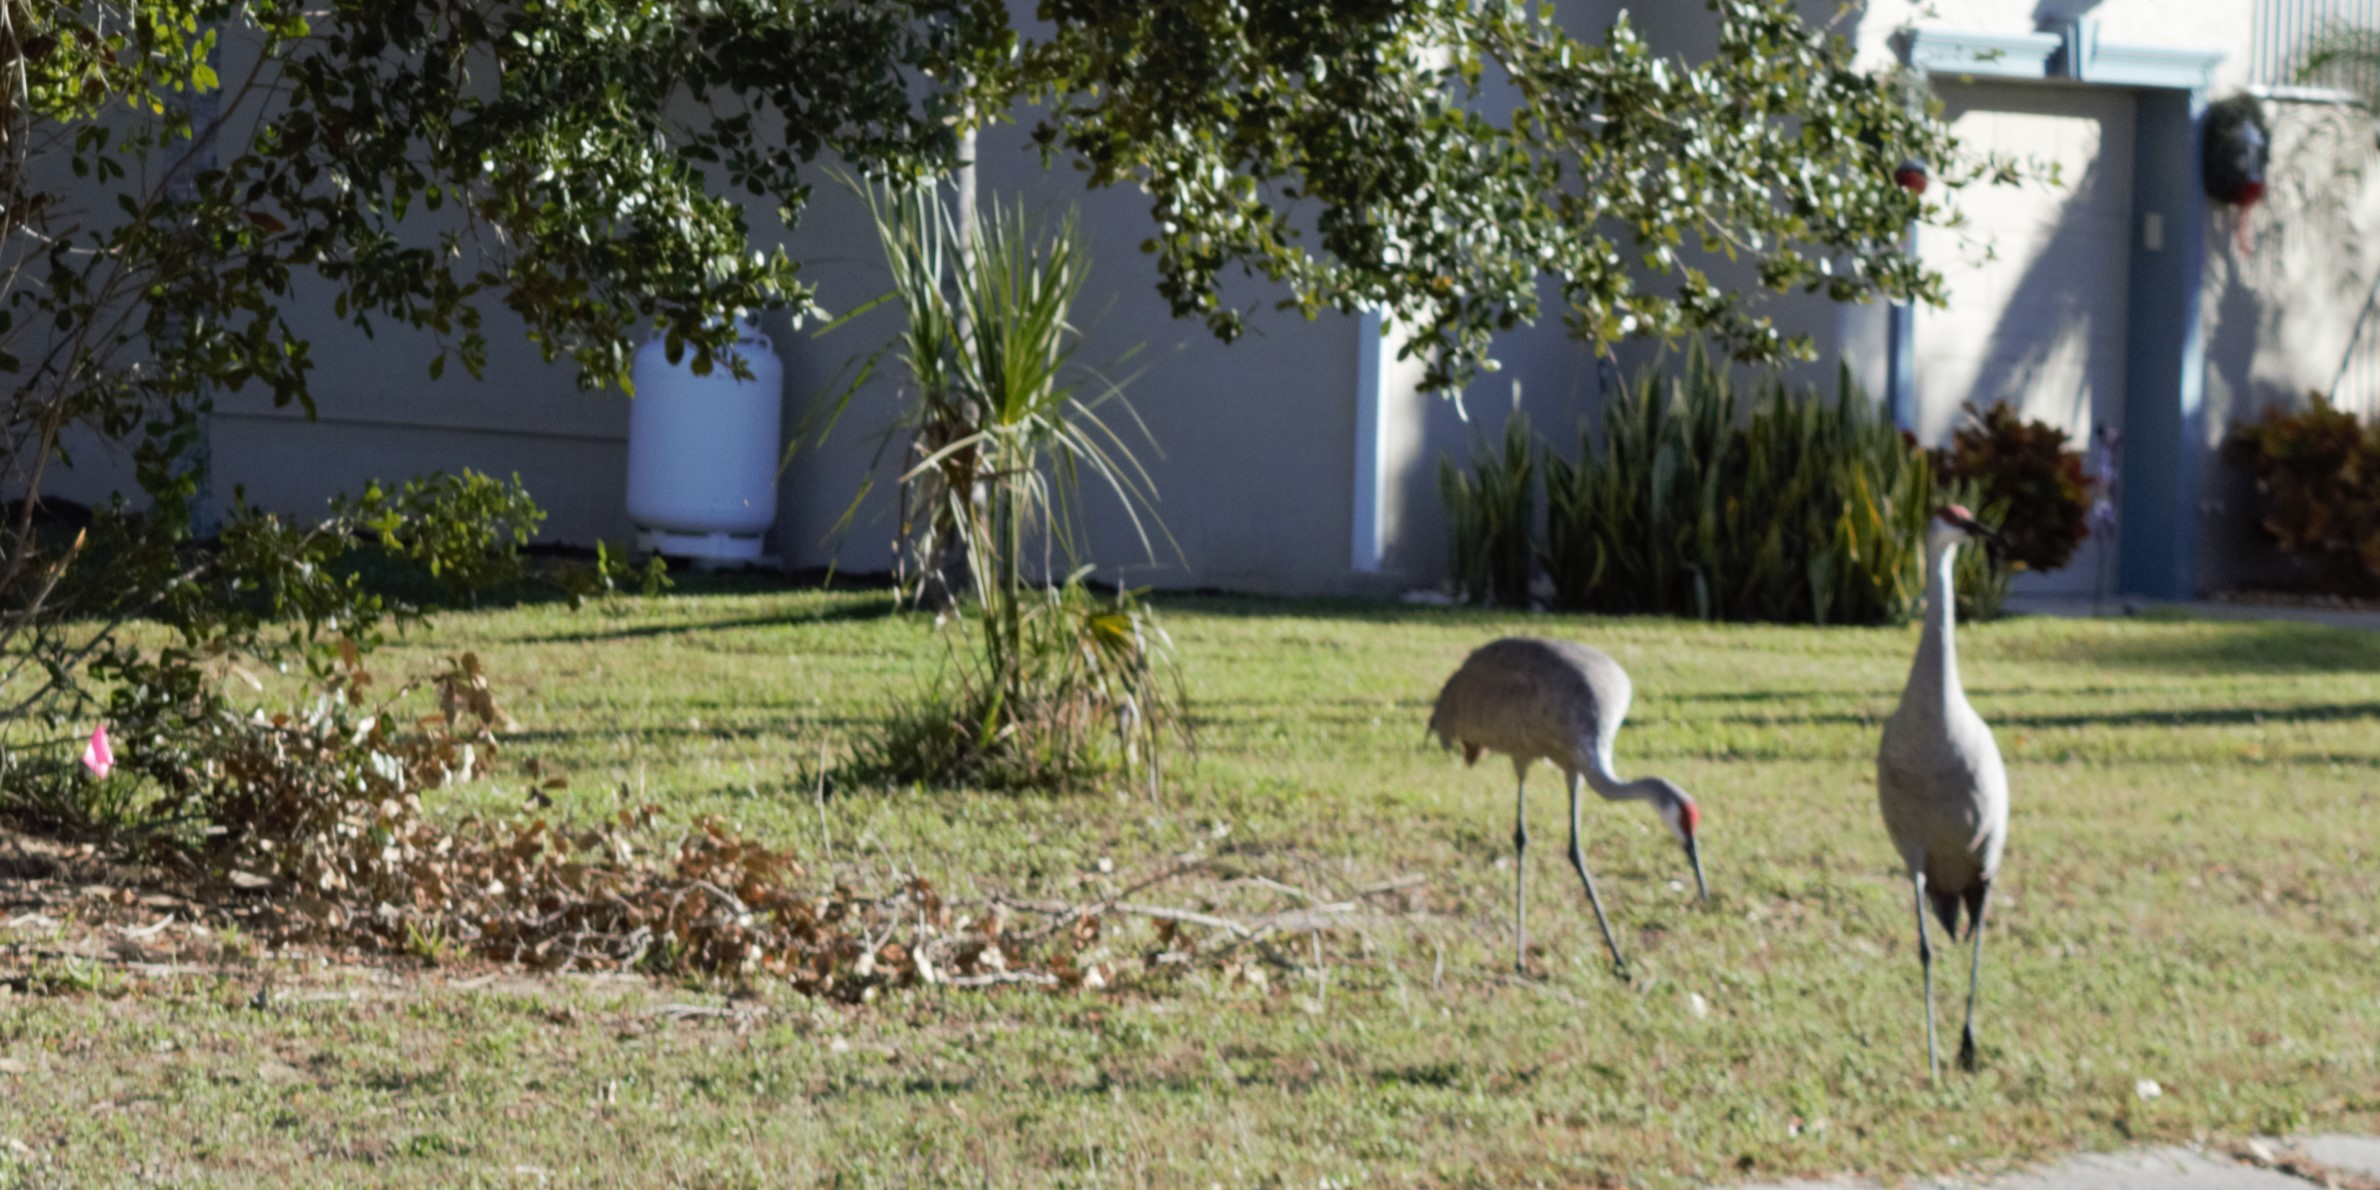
x: 1940, y: 783
x: 1552, y: 700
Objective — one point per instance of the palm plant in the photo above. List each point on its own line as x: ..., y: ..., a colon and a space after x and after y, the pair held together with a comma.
x: 1006, y: 426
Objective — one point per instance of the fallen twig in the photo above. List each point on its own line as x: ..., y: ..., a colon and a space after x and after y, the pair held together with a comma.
x: 1184, y: 916
x: 1397, y: 884
x: 681, y: 1011
x: 2289, y: 1159
x: 1069, y: 914
x: 995, y: 977
x: 1279, y: 887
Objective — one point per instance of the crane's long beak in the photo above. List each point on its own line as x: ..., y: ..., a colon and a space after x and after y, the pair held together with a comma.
x: 1694, y: 856
x: 1990, y: 537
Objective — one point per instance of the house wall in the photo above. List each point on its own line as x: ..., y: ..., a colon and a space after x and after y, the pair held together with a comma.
x: 1254, y: 455
x: 1249, y: 449
x: 2282, y: 293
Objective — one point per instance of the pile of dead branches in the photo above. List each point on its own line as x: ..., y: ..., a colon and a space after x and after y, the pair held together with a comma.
x: 316, y: 819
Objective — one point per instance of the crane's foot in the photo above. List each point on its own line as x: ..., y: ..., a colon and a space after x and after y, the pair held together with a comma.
x: 1967, y: 1050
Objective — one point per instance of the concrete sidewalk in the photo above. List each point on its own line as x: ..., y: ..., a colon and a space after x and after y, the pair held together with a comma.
x: 2341, y: 1162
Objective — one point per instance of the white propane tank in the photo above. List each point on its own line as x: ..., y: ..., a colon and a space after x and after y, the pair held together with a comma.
x: 702, y: 450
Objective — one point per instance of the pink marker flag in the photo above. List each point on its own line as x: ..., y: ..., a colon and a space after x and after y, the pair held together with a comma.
x: 97, y: 756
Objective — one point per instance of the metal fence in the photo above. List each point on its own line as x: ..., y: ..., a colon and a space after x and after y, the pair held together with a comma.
x: 2278, y: 57
x: 2285, y: 29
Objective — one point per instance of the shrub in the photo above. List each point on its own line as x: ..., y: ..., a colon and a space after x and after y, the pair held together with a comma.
x: 465, y: 529
x: 1810, y: 511
x: 2317, y: 473
x: 1077, y: 689
x: 2026, y: 469
x: 1492, y: 515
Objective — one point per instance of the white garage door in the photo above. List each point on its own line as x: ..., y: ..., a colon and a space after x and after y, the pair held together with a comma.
x: 2037, y: 276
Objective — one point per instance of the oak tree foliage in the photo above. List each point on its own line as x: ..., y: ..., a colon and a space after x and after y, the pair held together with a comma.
x: 178, y: 176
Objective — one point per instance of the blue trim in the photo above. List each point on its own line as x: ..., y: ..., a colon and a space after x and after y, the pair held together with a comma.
x: 2165, y: 355
x: 2087, y: 59
x: 2073, y: 53
x: 1983, y: 55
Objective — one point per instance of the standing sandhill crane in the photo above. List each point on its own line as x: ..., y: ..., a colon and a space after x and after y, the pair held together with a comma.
x: 1940, y: 783
x: 1552, y: 700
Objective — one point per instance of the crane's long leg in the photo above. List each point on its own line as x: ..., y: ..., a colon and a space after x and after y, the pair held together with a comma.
x: 1578, y: 861
x: 1520, y: 873
x: 1925, y: 962
x: 1974, y: 974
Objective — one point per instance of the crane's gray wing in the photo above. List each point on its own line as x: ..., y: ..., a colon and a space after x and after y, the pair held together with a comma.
x: 1531, y: 698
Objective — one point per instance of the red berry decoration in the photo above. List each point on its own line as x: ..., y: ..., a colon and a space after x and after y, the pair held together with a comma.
x: 1911, y: 176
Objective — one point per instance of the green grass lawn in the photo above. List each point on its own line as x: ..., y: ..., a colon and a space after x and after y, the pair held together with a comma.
x: 2189, y: 897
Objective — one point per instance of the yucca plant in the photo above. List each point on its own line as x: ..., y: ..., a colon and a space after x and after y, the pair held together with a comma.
x: 1007, y: 426
x: 1851, y: 497
x: 1633, y: 526
x: 1809, y: 511
x: 1493, y: 517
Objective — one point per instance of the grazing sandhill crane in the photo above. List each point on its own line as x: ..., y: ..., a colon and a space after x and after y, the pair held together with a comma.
x: 1552, y: 700
x: 1940, y: 783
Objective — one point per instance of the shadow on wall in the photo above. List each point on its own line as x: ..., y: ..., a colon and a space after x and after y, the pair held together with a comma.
x: 2018, y: 355
x: 2305, y: 259
x: 2283, y: 294
x: 2238, y: 322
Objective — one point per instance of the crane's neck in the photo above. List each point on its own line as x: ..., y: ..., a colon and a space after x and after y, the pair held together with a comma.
x: 1610, y: 788
x: 1934, y: 679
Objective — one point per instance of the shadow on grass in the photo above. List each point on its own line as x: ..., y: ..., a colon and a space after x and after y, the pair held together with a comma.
x: 2195, y: 717
x: 650, y: 731
x: 2257, y: 647
x: 844, y: 614
x: 1223, y: 605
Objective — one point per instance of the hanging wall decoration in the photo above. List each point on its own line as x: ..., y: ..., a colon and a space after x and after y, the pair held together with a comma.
x: 2238, y: 152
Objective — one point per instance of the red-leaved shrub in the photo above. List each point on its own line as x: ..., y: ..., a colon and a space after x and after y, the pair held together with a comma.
x: 2026, y: 468
x: 2317, y: 473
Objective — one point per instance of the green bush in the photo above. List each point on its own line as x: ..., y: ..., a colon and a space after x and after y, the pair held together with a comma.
x: 1810, y: 511
x: 465, y: 529
x: 1084, y: 689
x: 1492, y: 513
x: 2317, y: 473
